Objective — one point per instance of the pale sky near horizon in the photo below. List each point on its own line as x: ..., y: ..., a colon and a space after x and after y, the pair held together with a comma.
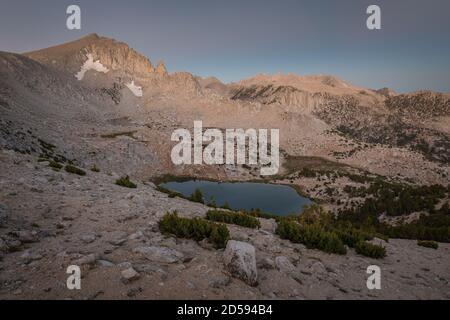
x: 237, y: 39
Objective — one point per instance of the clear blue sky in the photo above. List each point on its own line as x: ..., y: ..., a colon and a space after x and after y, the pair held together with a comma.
x: 236, y: 39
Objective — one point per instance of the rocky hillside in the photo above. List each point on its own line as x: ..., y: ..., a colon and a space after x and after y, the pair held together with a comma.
x: 420, y: 105
x: 77, y: 118
x: 367, y: 116
x: 52, y: 219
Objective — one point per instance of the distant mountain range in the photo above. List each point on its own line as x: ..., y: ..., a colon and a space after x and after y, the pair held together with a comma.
x: 85, y: 76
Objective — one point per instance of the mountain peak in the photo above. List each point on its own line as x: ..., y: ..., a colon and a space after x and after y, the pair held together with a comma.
x: 113, y: 55
x: 92, y: 36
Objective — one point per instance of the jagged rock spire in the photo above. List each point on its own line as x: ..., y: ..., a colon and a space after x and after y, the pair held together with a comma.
x: 161, y: 68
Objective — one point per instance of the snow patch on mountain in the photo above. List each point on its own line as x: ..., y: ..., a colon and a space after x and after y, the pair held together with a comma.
x: 137, y: 90
x: 90, y: 64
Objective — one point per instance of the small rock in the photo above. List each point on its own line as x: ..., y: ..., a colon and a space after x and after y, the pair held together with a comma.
x: 17, y: 292
x: 317, y: 268
x: 136, y: 235
x: 88, y: 259
x: 133, y: 292
x: 88, y: 238
x: 239, y: 259
x: 220, y: 282
x: 13, y: 245
x: 105, y: 263
x: 284, y: 265
x: 190, y: 285
x: 3, y: 246
x: 26, y: 236
x: 28, y: 256
x: 116, y: 238
x: 63, y: 225
x: 124, y: 265
x: 205, y: 244
x: 266, y: 263
x: 129, y: 274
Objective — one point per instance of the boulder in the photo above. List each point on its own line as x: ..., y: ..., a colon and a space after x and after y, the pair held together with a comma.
x: 240, y: 261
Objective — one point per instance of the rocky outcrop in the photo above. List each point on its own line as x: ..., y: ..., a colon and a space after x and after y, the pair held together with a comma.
x: 240, y: 261
x: 161, y: 68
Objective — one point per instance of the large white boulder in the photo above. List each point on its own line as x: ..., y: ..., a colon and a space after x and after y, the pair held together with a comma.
x: 239, y: 259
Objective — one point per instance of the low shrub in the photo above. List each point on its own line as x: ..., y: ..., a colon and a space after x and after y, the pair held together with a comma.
x: 312, y: 236
x: 197, y: 196
x: 196, y: 228
x: 55, y: 165
x: 239, y: 219
x: 125, y: 182
x: 72, y: 169
x: 370, y: 250
x: 428, y: 244
x: 315, y: 214
x: 351, y: 236
x: 219, y: 236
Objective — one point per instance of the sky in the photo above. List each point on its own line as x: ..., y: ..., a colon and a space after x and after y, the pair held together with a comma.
x: 233, y: 40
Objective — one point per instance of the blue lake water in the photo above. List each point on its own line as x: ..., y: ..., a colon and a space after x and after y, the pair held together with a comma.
x: 269, y: 198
